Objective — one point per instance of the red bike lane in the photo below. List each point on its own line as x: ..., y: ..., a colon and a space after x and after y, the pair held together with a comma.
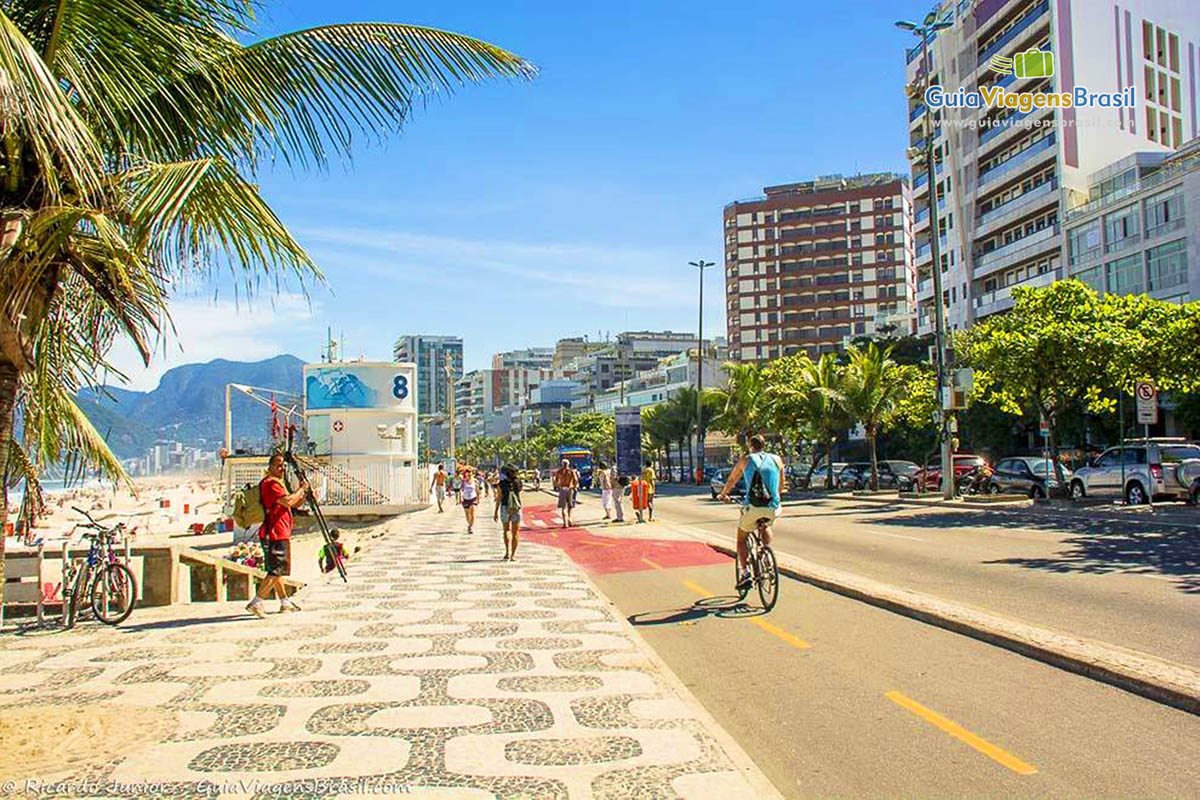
x: 601, y: 554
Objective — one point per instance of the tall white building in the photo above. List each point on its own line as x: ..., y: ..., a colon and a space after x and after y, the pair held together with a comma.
x: 1006, y: 178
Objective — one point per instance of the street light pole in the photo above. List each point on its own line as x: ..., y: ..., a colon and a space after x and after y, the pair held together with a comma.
x: 930, y: 27
x: 700, y: 265
x: 450, y: 401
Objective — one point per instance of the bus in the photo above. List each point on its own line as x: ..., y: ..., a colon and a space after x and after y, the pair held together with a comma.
x: 581, y: 459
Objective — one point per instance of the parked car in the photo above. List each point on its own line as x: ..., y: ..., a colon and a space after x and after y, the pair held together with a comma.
x: 819, y: 476
x: 963, y: 463
x: 893, y: 474
x: 853, y: 476
x: 1153, y: 469
x: 717, y: 483
x: 1028, y: 475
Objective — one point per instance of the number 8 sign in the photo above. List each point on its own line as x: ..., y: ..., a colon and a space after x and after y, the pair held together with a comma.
x: 400, y: 387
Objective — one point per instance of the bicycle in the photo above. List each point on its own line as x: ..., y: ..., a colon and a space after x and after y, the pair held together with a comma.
x: 764, y: 572
x: 101, y: 576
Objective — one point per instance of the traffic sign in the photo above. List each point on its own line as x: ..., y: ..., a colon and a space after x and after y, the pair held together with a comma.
x: 1044, y: 428
x: 1147, y: 403
x: 338, y: 426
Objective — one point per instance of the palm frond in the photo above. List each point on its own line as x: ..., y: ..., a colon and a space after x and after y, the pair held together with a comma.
x: 305, y: 95
x: 200, y: 215
x: 34, y: 110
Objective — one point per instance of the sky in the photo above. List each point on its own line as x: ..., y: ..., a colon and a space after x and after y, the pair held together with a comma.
x: 517, y: 213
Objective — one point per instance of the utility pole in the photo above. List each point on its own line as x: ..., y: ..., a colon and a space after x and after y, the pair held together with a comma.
x: 926, y: 31
x: 450, y: 400
x: 700, y: 265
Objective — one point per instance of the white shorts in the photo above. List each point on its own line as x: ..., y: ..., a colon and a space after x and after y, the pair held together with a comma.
x: 752, y: 514
x: 606, y: 496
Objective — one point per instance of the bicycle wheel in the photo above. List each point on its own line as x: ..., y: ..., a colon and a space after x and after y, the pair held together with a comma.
x: 76, y: 594
x: 741, y: 592
x: 767, y: 577
x: 113, y: 594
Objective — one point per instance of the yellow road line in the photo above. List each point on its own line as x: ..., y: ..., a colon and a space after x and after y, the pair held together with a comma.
x: 601, y: 544
x: 650, y: 563
x: 794, y: 641
x: 962, y: 734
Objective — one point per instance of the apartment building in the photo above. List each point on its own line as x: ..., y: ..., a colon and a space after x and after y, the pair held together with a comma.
x: 1005, y: 178
x: 1139, y: 232
x: 528, y: 358
x: 809, y: 266
x: 429, y: 354
x: 663, y: 382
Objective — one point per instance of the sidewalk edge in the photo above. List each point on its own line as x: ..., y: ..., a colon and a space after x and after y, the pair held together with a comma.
x: 1156, y: 679
x: 742, y: 762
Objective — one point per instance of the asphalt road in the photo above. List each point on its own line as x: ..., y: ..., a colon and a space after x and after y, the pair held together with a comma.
x: 832, y: 697
x: 1132, y: 585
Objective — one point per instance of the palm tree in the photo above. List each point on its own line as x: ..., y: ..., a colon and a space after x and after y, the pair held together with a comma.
x: 132, y: 135
x: 813, y: 399
x: 657, y: 428
x: 873, y: 389
x: 742, y: 402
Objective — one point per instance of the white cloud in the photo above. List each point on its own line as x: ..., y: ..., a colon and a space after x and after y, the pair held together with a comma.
x: 595, y: 275
x: 209, y: 329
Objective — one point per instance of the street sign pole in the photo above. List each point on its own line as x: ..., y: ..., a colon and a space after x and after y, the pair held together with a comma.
x: 1121, y: 414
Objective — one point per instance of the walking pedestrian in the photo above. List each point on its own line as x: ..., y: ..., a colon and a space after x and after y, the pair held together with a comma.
x: 276, y: 535
x: 509, y: 492
x: 618, y: 495
x: 470, y: 496
x: 565, y: 483
x: 651, y: 479
x: 604, y: 478
x: 438, y: 486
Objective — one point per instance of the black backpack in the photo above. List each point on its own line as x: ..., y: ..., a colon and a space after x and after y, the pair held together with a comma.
x: 758, y: 495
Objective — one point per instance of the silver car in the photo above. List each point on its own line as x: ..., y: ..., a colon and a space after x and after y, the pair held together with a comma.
x: 1154, y: 468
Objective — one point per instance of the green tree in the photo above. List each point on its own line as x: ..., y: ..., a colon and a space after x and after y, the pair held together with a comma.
x: 871, y: 393
x: 1064, y: 347
x: 132, y: 133
x: 743, y: 401
x: 809, y: 392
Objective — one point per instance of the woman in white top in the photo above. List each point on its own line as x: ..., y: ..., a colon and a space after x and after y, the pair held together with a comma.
x: 470, y: 496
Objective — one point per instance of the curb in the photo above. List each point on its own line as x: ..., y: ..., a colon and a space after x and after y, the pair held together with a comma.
x: 1163, y: 681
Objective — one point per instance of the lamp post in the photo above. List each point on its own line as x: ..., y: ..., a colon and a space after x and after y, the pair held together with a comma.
x: 700, y: 265
x: 925, y: 31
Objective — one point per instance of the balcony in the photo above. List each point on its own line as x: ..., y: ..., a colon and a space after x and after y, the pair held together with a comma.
x: 1002, y: 214
x: 1002, y: 300
x: 1151, y: 181
x: 1022, y: 25
x: 924, y: 289
x: 1015, y: 252
x: 1025, y: 157
x: 916, y: 112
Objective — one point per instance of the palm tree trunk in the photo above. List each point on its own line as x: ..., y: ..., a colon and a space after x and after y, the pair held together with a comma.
x: 9, y: 379
x: 874, y: 462
x: 829, y: 460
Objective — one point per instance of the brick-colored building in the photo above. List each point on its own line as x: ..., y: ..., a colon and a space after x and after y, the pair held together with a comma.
x: 811, y: 265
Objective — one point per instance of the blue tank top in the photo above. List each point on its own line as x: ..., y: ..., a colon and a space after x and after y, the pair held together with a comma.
x: 769, y: 467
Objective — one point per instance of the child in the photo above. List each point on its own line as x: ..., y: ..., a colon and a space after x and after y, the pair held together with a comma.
x: 331, y: 555
x: 639, y: 492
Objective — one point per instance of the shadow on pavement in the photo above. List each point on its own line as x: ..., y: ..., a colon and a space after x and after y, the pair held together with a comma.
x: 168, y: 624
x: 1096, y: 546
x: 724, y: 606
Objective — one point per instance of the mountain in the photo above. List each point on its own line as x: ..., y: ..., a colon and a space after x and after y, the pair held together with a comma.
x: 188, y: 405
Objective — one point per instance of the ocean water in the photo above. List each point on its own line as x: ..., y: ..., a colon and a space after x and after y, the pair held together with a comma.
x: 50, y: 488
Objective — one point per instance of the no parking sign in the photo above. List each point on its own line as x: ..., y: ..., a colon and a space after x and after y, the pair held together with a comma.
x: 1147, y: 403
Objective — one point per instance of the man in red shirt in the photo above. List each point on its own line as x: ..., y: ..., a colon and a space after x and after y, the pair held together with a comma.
x: 276, y: 535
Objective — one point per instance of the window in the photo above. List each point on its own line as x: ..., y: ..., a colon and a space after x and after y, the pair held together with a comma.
x: 1093, y: 277
x: 1164, y: 212
x: 1149, y: 73
x: 1151, y: 124
x: 1167, y: 265
x: 1083, y: 243
x: 1121, y: 229
x: 1173, y: 52
x: 1125, y: 275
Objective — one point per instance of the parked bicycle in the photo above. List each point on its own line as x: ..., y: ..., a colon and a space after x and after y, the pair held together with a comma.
x: 102, y: 579
x: 764, y: 572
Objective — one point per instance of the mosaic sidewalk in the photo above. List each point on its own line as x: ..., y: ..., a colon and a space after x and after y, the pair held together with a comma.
x: 439, y: 670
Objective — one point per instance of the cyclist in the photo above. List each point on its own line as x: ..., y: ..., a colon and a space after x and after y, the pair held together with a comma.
x: 770, y: 466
